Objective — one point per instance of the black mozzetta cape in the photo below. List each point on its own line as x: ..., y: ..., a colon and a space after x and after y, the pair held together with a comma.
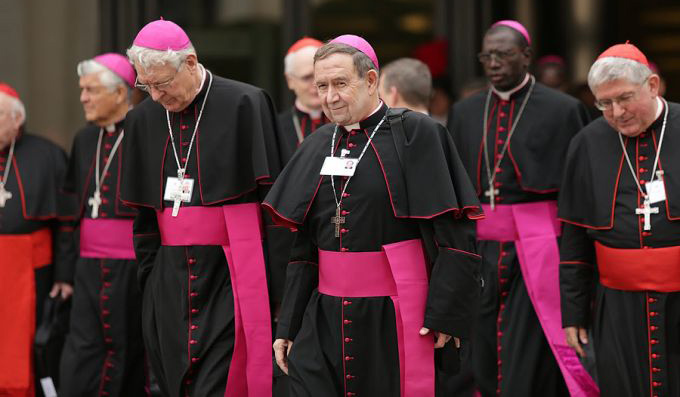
x: 592, y: 175
x: 239, y: 153
x: 425, y: 177
x: 538, y: 145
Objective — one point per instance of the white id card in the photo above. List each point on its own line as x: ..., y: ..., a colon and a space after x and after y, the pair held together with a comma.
x: 173, y: 189
x: 655, y: 191
x: 339, y: 166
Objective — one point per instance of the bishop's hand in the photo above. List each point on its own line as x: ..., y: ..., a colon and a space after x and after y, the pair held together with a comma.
x: 441, y: 337
x: 575, y: 337
x: 281, y: 349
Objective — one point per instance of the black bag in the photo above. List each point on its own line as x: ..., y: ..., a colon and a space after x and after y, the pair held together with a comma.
x: 49, y: 338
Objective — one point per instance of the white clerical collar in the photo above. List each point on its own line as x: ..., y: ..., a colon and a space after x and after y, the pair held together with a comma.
x: 505, y: 95
x: 315, y: 114
x: 659, y: 107
x: 356, y: 126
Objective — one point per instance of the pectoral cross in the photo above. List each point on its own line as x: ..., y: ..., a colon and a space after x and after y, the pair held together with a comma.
x: 95, y: 201
x: 647, y: 210
x: 491, y: 194
x: 177, y: 195
x: 4, y: 195
x: 176, y: 201
x: 337, y: 220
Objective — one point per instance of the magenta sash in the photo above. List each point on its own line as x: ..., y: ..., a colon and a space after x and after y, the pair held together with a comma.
x: 237, y: 228
x: 534, y: 229
x: 106, y: 238
x: 400, y: 272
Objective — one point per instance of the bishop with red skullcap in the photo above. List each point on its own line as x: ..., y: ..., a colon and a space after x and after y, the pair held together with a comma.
x: 620, y: 204
x: 35, y: 249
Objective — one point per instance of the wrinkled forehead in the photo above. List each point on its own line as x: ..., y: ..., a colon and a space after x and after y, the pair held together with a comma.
x: 338, y: 64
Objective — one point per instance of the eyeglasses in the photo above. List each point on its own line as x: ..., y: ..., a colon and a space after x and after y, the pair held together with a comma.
x: 157, y: 86
x: 622, y: 100
x: 485, y: 57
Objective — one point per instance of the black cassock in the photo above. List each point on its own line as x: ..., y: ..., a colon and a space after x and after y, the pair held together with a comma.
x: 190, y: 339
x: 431, y: 199
x: 636, y: 334
x: 34, y: 180
x: 510, y: 354
x: 288, y: 143
x: 104, y: 351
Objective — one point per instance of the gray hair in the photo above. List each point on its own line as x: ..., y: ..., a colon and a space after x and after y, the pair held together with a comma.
x: 17, y: 107
x: 108, y: 79
x: 613, y: 68
x: 412, y: 79
x: 147, y: 57
x: 362, y: 63
x: 289, y: 59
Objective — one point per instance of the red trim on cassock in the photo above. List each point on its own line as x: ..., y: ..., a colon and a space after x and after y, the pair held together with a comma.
x: 461, y: 251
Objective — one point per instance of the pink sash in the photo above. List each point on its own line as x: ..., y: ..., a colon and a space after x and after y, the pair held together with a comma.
x: 534, y: 229
x: 106, y: 238
x: 237, y: 228
x: 400, y: 272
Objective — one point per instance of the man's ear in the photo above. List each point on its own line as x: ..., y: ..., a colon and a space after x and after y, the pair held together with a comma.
x: 372, y: 78
x: 121, y: 94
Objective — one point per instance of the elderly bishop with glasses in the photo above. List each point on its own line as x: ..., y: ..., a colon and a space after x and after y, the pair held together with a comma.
x: 620, y: 203
x: 199, y: 155
x: 513, y: 140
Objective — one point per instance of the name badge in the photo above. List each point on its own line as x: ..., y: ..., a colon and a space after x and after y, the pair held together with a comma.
x: 174, y: 189
x: 339, y: 166
x: 656, y: 191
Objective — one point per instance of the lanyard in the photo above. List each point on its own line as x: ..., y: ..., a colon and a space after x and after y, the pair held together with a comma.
x: 338, y: 203
x: 182, y: 170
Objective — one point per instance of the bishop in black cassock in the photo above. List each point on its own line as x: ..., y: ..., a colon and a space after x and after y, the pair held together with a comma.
x: 104, y: 352
x: 34, y: 240
x: 198, y: 157
x: 513, y: 140
x: 409, y: 208
x: 620, y: 202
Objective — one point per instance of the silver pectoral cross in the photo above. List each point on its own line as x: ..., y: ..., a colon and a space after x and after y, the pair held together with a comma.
x: 647, y: 210
x: 95, y: 201
x: 4, y: 195
x: 177, y: 195
x: 337, y: 220
x: 176, y: 200
x: 491, y: 194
